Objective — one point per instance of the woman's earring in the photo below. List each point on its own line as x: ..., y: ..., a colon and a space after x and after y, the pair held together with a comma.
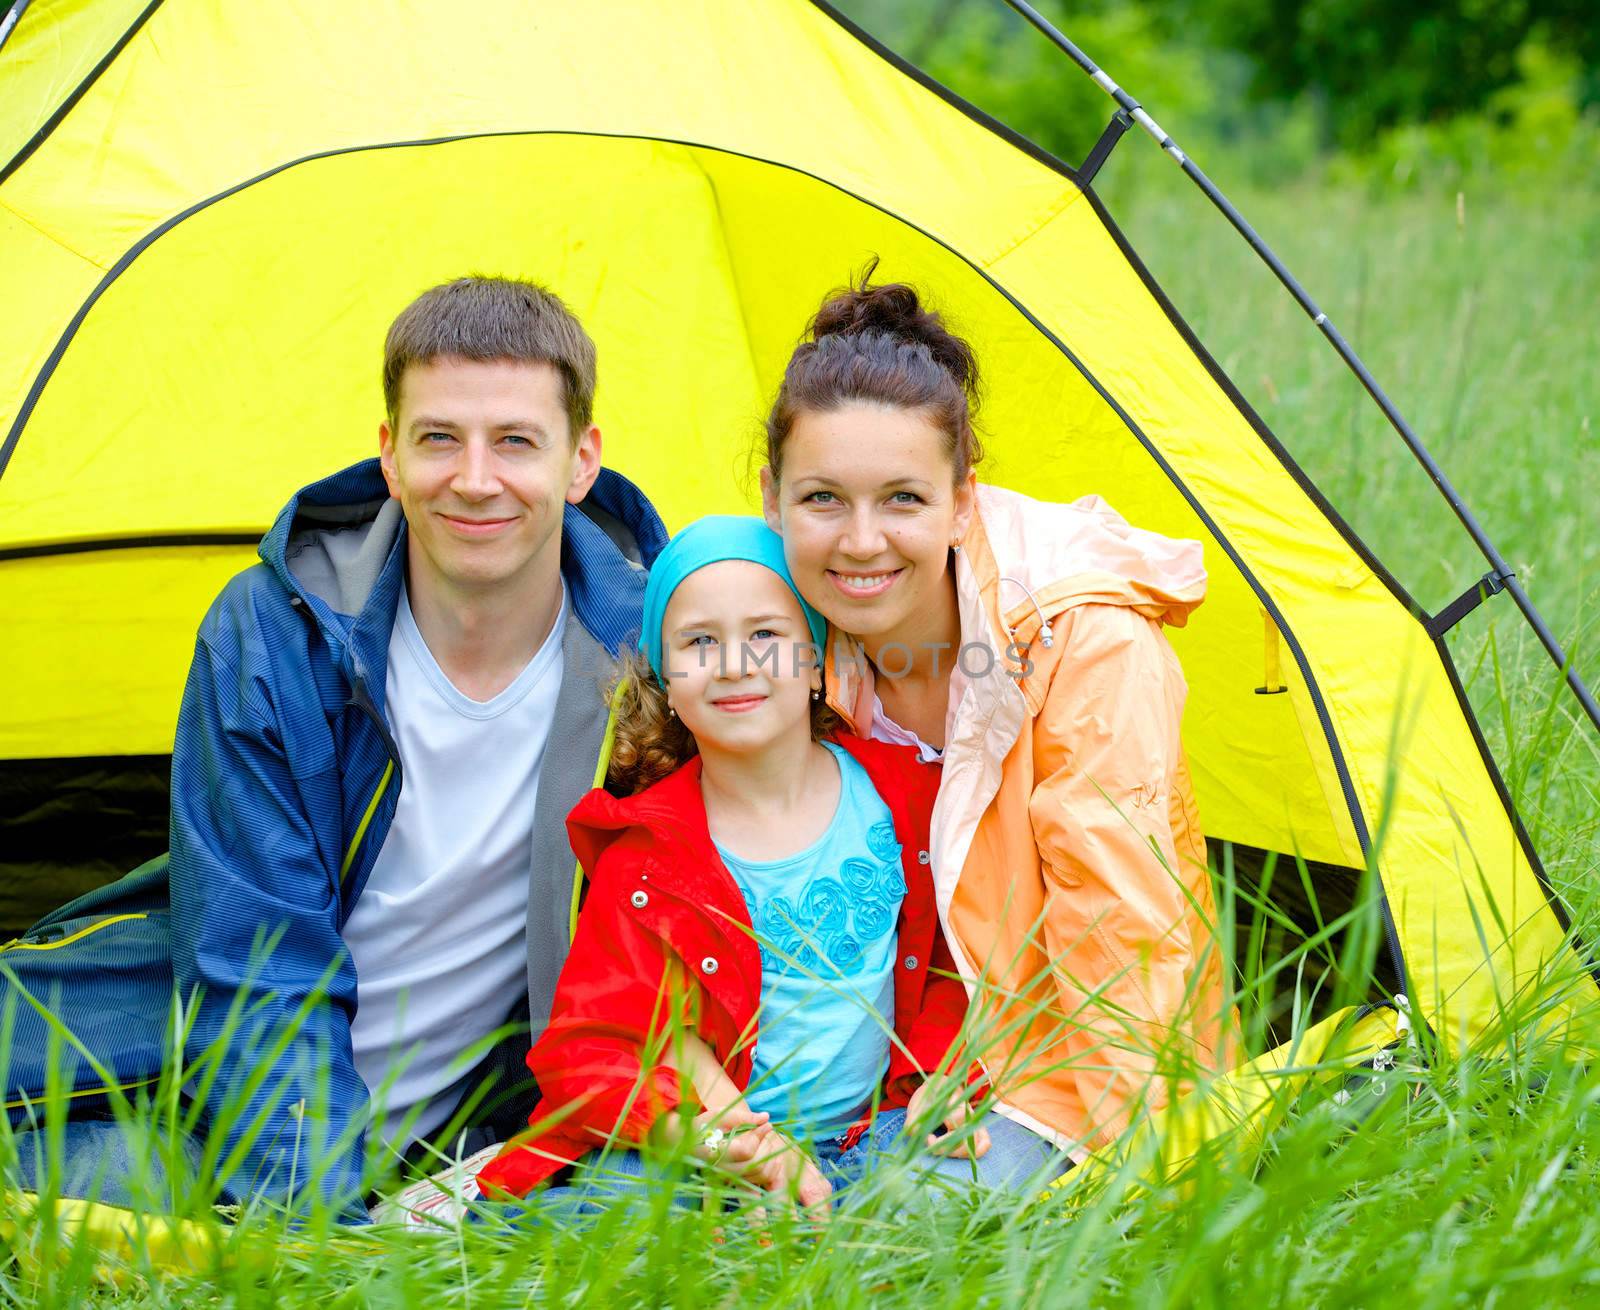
x: 816, y: 694
x: 671, y: 713
x: 955, y: 547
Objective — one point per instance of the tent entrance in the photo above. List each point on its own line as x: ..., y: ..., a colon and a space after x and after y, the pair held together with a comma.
x: 247, y: 324
x: 694, y: 268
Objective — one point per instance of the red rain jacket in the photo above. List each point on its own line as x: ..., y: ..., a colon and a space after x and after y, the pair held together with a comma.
x: 664, y: 931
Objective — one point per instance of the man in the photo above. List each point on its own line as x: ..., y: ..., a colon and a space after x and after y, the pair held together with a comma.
x: 383, y: 729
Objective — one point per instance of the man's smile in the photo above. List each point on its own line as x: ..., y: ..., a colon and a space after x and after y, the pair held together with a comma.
x: 476, y: 527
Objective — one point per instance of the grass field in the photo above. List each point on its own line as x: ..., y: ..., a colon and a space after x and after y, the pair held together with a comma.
x: 1472, y: 1182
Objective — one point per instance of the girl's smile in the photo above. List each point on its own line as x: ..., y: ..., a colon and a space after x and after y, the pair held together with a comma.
x: 742, y: 704
x: 736, y: 654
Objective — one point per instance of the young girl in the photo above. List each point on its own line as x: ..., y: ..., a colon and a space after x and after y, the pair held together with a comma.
x: 759, y: 913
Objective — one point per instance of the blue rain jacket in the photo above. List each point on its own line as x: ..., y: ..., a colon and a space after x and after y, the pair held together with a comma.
x: 285, y: 779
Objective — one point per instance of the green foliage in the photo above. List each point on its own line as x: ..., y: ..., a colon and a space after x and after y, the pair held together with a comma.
x: 1457, y: 90
x: 1371, y: 66
x: 989, y: 55
x: 1530, y: 130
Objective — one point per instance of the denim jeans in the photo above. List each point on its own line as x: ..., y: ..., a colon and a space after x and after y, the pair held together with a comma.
x: 1018, y: 1161
x: 102, y: 1161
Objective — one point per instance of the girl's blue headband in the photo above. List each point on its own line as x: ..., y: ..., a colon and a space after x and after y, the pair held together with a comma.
x: 711, y: 540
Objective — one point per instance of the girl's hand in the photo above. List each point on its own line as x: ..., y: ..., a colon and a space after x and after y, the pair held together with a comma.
x: 959, y: 1145
x: 786, y: 1169
x: 734, y: 1139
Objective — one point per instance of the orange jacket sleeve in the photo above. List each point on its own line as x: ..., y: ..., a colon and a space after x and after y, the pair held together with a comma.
x: 1117, y: 913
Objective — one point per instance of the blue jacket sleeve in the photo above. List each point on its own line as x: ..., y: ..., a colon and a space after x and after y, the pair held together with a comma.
x: 251, y: 871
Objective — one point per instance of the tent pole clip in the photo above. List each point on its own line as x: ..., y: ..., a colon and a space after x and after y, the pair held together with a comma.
x: 1120, y: 123
x: 1490, y: 584
x: 1272, y: 665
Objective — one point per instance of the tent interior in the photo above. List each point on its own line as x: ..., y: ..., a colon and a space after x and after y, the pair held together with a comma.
x: 222, y: 350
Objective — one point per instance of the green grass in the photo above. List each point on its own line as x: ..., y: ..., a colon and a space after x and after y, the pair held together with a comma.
x: 1475, y: 312
x: 1468, y: 1182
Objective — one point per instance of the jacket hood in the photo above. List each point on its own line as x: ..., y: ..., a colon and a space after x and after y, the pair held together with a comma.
x: 1067, y: 554
x: 337, y: 545
x: 669, y: 815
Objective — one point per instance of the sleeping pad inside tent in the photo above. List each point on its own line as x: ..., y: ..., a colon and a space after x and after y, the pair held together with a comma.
x: 212, y: 212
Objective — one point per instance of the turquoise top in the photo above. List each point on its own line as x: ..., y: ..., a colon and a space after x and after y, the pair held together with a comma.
x: 825, y: 920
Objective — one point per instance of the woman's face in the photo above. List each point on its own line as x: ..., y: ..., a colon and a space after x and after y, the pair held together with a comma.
x: 736, y: 652
x: 868, y: 513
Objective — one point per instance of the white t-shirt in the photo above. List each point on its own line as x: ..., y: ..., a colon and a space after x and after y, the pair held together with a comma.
x: 439, y: 933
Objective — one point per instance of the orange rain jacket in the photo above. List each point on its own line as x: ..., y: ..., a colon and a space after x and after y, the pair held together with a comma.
x: 1068, y: 861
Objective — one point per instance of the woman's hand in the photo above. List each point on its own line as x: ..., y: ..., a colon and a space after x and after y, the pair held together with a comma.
x: 940, y: 1093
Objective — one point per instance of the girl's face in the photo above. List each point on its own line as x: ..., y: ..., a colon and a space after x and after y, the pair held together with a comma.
x: 736, y: 654
x: 867, y: 514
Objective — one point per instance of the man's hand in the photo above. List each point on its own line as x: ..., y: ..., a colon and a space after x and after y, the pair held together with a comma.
x: 946, y: 1094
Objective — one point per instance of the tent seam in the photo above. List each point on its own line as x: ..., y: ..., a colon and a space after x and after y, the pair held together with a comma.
x: 1052, y: 212
x: 51, y: 236
x: 733, y: 276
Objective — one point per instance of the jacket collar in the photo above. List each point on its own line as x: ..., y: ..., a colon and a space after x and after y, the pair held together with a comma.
x: 671, y: 814
x: 339, y: 546
x: 1022, y: 563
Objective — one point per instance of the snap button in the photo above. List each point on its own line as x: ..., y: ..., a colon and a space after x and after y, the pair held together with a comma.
x: 640, y: 900
x: 911, y: 961
x: 709, y: 964
x: 923, y: 857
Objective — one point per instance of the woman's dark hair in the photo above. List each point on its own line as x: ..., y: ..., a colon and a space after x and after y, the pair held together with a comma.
x: 880, y: 345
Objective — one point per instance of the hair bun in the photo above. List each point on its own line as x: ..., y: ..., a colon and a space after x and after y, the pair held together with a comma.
x: 894, y: 310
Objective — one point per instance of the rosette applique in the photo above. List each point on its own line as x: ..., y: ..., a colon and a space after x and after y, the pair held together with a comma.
x: 836, y: 917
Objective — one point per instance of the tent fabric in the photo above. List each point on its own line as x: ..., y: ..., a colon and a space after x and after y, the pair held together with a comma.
x: 201, y: 256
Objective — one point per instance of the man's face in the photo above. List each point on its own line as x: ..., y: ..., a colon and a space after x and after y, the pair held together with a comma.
x: 482, y: 461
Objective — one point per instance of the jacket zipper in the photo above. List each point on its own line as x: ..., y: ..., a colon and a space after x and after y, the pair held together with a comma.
x: 392, y: 771
x: 21, y: 944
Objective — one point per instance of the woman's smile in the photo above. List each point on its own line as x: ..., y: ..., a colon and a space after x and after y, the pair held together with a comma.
x: 864, y: 586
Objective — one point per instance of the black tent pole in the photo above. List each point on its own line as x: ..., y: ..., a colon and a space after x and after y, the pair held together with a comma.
x: 1501, y: 573
x: 12, y: 18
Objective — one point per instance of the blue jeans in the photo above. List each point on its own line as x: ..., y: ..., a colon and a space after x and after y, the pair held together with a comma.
x: 140, y: 1168
x: 1018, y: 1161
x: 102, y: 1161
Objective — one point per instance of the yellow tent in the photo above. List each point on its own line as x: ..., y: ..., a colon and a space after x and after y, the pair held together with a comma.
x: 212, y: 211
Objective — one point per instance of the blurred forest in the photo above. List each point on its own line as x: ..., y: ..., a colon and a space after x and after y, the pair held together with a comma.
x: 1437, y: 93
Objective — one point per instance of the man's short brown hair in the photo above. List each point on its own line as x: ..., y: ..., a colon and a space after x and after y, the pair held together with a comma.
x: 489, y: 319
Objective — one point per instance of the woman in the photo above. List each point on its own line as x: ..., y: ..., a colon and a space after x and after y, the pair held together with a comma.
x: 1020, y: 644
